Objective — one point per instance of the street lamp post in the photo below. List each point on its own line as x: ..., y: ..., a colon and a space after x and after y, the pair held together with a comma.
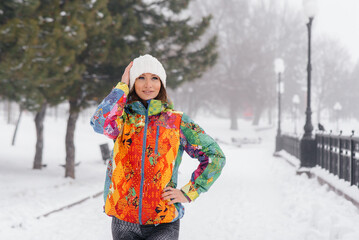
x: 307, y: 144
x: 296, y: 102
x: 279, y: 68
x: 337, y: 107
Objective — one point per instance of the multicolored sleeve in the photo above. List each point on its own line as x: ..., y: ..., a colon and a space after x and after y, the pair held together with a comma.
x: 108, y: 115
x: 210, y: 156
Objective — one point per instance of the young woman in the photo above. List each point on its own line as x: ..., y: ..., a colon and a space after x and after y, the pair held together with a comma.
x: 141, y: 181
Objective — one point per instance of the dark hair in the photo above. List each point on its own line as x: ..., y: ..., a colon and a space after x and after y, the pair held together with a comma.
x: 162, y: 95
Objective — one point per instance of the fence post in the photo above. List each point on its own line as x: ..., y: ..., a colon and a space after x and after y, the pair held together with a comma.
x: 352, y: 156
x: 321, y: 150
x: 308, y: 152
x: 330, y: 152
x: 339, y: 152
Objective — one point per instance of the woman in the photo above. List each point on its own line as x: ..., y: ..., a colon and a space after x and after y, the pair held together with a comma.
x: 150, y: 137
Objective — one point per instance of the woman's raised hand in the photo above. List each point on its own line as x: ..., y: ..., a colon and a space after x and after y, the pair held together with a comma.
x: 126, y: 75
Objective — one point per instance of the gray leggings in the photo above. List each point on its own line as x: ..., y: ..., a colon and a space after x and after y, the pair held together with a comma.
x: 122, y: 230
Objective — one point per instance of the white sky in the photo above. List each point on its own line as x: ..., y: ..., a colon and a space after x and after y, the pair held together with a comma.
x: 338, y: 19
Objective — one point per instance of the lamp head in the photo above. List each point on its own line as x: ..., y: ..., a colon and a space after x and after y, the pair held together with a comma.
x: 296, y: 99
x: 278, y: 65
x: 337, y: 106
x: 310, y: 8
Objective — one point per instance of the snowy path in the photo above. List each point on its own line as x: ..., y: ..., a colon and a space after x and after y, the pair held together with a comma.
x: 260, y: 197
x: 84, y: 221
x: 257, y: 197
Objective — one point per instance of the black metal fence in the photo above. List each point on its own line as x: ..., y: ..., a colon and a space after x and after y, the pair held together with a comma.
x: 337, y: 154
x: 291, y: 144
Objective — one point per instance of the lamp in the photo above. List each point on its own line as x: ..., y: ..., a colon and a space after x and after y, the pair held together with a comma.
x: 307, y: 144
x: 278, y: 69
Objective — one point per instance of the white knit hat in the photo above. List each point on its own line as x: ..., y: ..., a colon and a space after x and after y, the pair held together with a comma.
x: 146, y: 64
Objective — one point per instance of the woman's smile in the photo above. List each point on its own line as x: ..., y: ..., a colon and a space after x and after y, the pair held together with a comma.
x: 147, y: 86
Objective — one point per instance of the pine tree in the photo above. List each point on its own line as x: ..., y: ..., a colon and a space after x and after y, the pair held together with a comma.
x: 37, y: 57
x: 94, y: 18
x: 18, y: 32
x: 80, y: 49
x: 136, y: 28
x: 158, y: 28
x: 19, y: 36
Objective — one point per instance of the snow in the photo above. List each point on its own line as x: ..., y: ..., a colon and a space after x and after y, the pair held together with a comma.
x: 67, y: 68
x: 17, y: 67
x: 5, y: 31
x: 92, y: 3
x: 67, y: 29
x: 100, y: 14
x: 344, y: 186
x: 129, y: 38
x: 48, y: 19
x: 258, y: 196
x: 291, y: 159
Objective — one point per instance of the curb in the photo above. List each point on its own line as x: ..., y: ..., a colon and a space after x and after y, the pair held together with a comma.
x: 322, y: 181
x: 339, y: 192
x: 62, y: 208
x: 71, y: 205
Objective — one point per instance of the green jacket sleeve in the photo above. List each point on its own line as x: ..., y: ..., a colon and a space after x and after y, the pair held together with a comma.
x: 211, y: 159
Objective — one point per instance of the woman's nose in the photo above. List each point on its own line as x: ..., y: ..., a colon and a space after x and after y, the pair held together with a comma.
x: 148, y: 83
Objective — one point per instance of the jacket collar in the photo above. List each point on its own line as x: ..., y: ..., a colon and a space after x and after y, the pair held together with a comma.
x: 154, y: 107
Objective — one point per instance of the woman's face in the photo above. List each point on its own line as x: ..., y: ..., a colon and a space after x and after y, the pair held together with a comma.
x: 147, y: 86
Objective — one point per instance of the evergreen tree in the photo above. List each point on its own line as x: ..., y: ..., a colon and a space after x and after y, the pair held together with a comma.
x: 37, y: 57
x: 18, y: 33
x: 158, y: 28
x: 93, y: 16
x: 19, y: 37
x: 135, y: 28
x: 77, y: 50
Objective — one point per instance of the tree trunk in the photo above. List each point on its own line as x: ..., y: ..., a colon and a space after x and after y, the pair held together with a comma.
x: 39, y: 123
x: 8, y: 111
x: 17, y: 126
x: 233, y: 115
x: 70, y: 145
x: 257, y: 116
x: 56, y: 112
x: 4, y: 108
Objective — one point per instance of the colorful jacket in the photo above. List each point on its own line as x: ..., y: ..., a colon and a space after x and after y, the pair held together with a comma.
x: 148, y: 149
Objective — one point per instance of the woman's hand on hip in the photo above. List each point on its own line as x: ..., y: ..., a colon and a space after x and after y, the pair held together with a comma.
x: 126, y: 75
x: 174, y: 195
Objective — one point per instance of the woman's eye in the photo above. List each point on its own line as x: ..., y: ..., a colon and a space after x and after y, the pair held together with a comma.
x: 155, y: 78
x: 141, y: 77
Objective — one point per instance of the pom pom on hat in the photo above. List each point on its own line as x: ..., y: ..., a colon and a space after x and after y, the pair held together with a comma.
x: 146, y: 64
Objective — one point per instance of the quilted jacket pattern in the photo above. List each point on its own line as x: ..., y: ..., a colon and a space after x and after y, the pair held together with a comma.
x: 147, y: 153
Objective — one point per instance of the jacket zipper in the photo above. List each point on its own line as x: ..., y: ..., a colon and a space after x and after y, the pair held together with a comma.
x: 157, y: 135
x: 143, y: 164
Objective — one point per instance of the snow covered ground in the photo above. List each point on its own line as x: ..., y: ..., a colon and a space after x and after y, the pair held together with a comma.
x: 257, y: 196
